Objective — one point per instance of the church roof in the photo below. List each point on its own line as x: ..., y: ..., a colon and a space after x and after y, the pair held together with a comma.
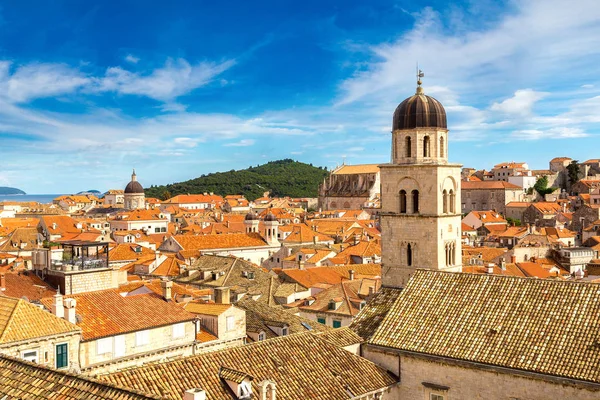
x: 525, y: 324
x: 419, y: 111
x: 357, y: 169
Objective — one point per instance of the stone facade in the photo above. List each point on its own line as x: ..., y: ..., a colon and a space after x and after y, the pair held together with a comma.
x: 125, y: 352
x: 483, y: 199
x: 422, y: 377
x: 73, y: 282
x: 45, y: 348
x: 349, y: 187
x: 432, y: 232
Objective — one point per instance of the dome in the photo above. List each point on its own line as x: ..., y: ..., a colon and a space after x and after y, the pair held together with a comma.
x: 134, y: 187
x: 419, y: 111
x: 251, y: 217
x: 270, y: 217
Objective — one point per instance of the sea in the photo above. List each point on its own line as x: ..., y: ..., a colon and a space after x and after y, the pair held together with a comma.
x: 40, y: 198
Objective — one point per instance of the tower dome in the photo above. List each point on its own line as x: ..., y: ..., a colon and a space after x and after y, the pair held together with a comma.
x: 270, y: 217
x: 134, y: 186
x: 251, y: 217
x: 419, y: 111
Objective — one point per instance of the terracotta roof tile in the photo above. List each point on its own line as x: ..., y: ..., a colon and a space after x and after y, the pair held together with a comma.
x: 21, y: 320
x: 303, y: 366
x: 107, y: 313
x: 469, y: 185
x: 498, y: 320
x: 24, y: 380
x: 357, y: 169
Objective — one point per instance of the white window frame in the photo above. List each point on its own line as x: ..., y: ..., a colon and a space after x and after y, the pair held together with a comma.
x: 179, y: 330
x: 142, y: 338
x: 104, y: 346
x: 35, y: 360
x: 229, y: 323
x: 436, y: 396
x: 261, y: 336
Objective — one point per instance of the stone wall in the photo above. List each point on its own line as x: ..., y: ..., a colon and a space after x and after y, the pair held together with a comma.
x: 159, y: 340
x: 429, y: 230
x: 488, y: 199
x: 89, y: 281
x: 46, y: 349
x: 465, y: 382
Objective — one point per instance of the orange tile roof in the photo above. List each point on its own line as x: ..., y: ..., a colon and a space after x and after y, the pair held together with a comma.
x: 488, y: 185
x: 107, y: 313
x: 204, y: 336
x: 301, y: 233
x: 546, y: 207
x: 362, y: 249
x: 311, y: 276
x: 225, y: 241
x: 518, y: 204
x: 26, y: 285
x: 488, y: 216
x: 194, y: 198
x: 357, y: 169
x: 466, y: 228
x: 21, y: 320
x: 206, y: 308
x: 126, y: 252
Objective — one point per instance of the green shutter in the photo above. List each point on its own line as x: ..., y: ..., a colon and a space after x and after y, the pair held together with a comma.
x: 337, y: 324
x: 321, y: 320
x: 62, y: 356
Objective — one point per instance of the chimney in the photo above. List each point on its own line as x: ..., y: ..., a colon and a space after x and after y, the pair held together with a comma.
x: 356, y: 239
x: 315, y: 239
x: 222, y: 295
x: 2, y: 282
x: 166, y: 289
x: 301, y: 265
x: 156, y: 256
x: 57, y: 305
x: 70, y: 305
x: 513, y: 259
x: 351, y: 273
x: 490, y: 268
x: 194, y: 394
x: 503, y: 264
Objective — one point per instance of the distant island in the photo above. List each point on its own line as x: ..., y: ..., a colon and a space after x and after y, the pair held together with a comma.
x: 94, y: 192
x: 4, y: 190
x: 281, y: 178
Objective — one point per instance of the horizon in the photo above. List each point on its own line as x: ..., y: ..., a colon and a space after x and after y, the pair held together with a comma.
x: 184, y: 89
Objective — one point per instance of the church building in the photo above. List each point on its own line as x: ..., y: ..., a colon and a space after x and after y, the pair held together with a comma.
x: 134, y: 194
x: 451, y: 335
x: 420, y: 194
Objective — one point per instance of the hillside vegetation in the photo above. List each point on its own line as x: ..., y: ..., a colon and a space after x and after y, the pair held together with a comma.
x: 282, y: 178
x: 10, y: 190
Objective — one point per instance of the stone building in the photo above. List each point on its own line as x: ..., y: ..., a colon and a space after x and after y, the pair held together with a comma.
x: 489, y: 195
x: 350, y: 187
x: 466, y: 336
x: 420, y: 196
x: 134, y: 196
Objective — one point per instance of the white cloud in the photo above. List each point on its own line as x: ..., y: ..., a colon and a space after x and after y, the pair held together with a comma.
x: 176, y: 78
x: 26, y: 82
x: 552, y: 133
x: 186, y: 141
x: 130, y: 58
x: 520, y: 104
x: 241, y: 143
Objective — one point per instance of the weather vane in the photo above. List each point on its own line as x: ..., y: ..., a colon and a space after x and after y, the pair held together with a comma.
x: 420, y: 74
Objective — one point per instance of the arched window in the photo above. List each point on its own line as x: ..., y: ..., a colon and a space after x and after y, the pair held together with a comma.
x: 444, y: 201
x: 409, y: 255
x: 403, y: 202
x: 452, y: 201
x: 441, y: 147
x: 415, y: 201
x: 408, y: 146
x: 426, y: 152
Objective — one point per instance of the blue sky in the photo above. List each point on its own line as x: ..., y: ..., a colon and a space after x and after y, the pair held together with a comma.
x: 89, y: 90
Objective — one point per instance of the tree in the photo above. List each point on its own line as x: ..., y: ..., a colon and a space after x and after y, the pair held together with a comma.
x: 513, y: 221
x: 166, y: 195
x: 573, y: 170
x: 541, y: 186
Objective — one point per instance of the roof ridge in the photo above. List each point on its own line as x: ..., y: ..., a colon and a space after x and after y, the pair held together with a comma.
x: 12, y: 315
x: 79, y: 376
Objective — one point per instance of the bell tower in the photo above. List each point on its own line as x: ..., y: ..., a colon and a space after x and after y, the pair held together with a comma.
x: 420, y: 194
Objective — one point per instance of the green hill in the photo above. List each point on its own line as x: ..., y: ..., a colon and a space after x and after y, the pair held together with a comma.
x: 282, y: 178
